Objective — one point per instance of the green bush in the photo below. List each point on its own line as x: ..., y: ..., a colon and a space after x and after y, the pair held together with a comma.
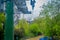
x: 34, y: 28
x: 22, y: 29
x: 27, y: 30
x: 2, y: 20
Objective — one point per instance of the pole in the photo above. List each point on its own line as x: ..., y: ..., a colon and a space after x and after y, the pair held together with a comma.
x: 8, y: 32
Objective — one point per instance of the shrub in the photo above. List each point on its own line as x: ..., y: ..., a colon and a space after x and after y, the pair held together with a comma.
x: 34, y: 28
x: 2, y: 20
x: 22, y: 29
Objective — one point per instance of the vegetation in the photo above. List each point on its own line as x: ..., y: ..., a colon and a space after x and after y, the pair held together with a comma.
x: 52, y: 15
x: 2, y: 19
x: 47, y: 24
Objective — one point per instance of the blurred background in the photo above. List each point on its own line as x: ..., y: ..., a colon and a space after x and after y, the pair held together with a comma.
x: 33, y: 21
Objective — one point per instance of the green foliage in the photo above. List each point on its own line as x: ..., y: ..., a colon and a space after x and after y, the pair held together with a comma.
x: 48, y: 23
x: 2, y: 17
x: 51, y: 12
x: 22, y: 28
x: 2, y: 20
x: 25, y: 29
x: 34, y: 28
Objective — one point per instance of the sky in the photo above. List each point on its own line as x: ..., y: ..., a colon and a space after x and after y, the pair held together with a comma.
x: 36, y: 11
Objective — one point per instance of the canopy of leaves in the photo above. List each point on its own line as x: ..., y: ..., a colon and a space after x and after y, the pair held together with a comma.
x: 2, y: 20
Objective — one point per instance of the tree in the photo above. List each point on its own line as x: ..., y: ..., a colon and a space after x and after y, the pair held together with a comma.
x: 2, y: 20
x: 51, y: 12
x: 22, y: 29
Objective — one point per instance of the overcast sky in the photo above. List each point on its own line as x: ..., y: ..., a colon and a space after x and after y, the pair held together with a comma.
x: 36, y: 11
